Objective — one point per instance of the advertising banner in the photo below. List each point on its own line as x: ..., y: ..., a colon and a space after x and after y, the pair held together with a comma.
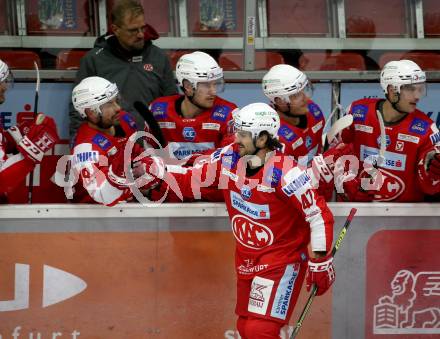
x: 128, y: 285
x: 403, y: 292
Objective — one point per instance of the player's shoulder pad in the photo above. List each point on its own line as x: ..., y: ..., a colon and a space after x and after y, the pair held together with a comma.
x: 296, y: 182
x: 84, y: 154
x: 420, y: 124
x: 315, y: 110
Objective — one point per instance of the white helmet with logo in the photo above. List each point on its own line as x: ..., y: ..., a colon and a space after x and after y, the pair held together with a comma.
x: 92, y: 92
x: 256, y: 118
x: 282, y: 81
x: 4, y: 71
x: 402, y: 72
x: 197, y: 67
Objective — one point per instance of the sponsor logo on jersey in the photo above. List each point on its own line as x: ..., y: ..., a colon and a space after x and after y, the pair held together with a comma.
x: 252, y: 210
x: 297, y: 143
x: 317, y: 127
x: 359, y: 113
x: 220, y: 113
x: 250, y: 233
x: 167, y: 124
x: 387, y: 140
x: 259, y: 295
x: 265, y: 189
x: 273, y: 177
x: 315, y: 110
x: 286, y: 133
x: 363, y: 128
x: 298, y: 183
x: 245, y: 192
x: 102, y: 142
x: 130, y: 121
x: 435, y: 138
x: 85, y: 157
x: 393, y: 161
x: 181, y: 150
x: 419, y: 126
x: 284, y: 292
x: 230, y: 159
x: 189, y: 133
x: 409, y: 138
x: 400, y: 145
x: 211, y: 126
x: 159, y: 110
x: 308, y: 142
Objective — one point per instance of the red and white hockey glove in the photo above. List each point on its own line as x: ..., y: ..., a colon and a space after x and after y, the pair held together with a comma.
x: 320, y: 272
x: 14, y: 134
x: 41, y: 137
x: 433, y: 165
x: 148, y: 171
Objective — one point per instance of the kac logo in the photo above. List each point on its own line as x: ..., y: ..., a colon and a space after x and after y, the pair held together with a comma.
x: 189, y: 133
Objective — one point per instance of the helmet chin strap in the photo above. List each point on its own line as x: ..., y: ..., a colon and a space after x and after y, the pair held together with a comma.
x: 191, y: 100
x: 394, y: 104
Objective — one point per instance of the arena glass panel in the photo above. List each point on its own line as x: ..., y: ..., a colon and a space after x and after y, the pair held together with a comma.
x: 215, y: 18
x: 68, y: 17
x: 298, y: 20
x: 376, y: 18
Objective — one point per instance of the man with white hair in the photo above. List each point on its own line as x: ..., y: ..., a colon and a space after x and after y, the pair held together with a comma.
x: 22, y: 146
x: 409, y: 166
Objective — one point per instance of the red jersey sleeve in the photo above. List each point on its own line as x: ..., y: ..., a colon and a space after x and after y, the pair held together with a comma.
x: 297, y: 187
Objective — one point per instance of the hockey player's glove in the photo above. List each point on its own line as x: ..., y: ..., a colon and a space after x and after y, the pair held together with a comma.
x: 41, y: 137
x: 433, y: 165
x: 148, y: 171
x: 14, y: 134
x: 320, y: 272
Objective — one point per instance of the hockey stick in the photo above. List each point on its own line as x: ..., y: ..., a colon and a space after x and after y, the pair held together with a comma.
x: 338, y: 243
x: 151, y: 121
x: 37, y: 90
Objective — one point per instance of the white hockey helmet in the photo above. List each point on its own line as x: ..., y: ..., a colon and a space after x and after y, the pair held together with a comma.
x: 4, y: 71
x: 282, y: 81
x: 402, y: 72
x: 256, y: 118
x: 6, y: 75
x: 197, y: 67
x: 92, y: 92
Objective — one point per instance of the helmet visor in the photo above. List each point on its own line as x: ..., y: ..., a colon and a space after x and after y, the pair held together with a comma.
x: 307, y: 91
x: 419, y: 90
x: 214, y: 86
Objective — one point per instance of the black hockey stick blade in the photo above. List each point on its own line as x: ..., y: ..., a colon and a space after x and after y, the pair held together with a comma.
x: 152, y: 123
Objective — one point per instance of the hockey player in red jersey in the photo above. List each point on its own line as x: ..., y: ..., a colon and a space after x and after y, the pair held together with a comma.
x: 98, y: 159
x: 197, y: 121
x: 22, y: 146
x: 411, y: 164
x: 274, y: 212
x: 302, y: 120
